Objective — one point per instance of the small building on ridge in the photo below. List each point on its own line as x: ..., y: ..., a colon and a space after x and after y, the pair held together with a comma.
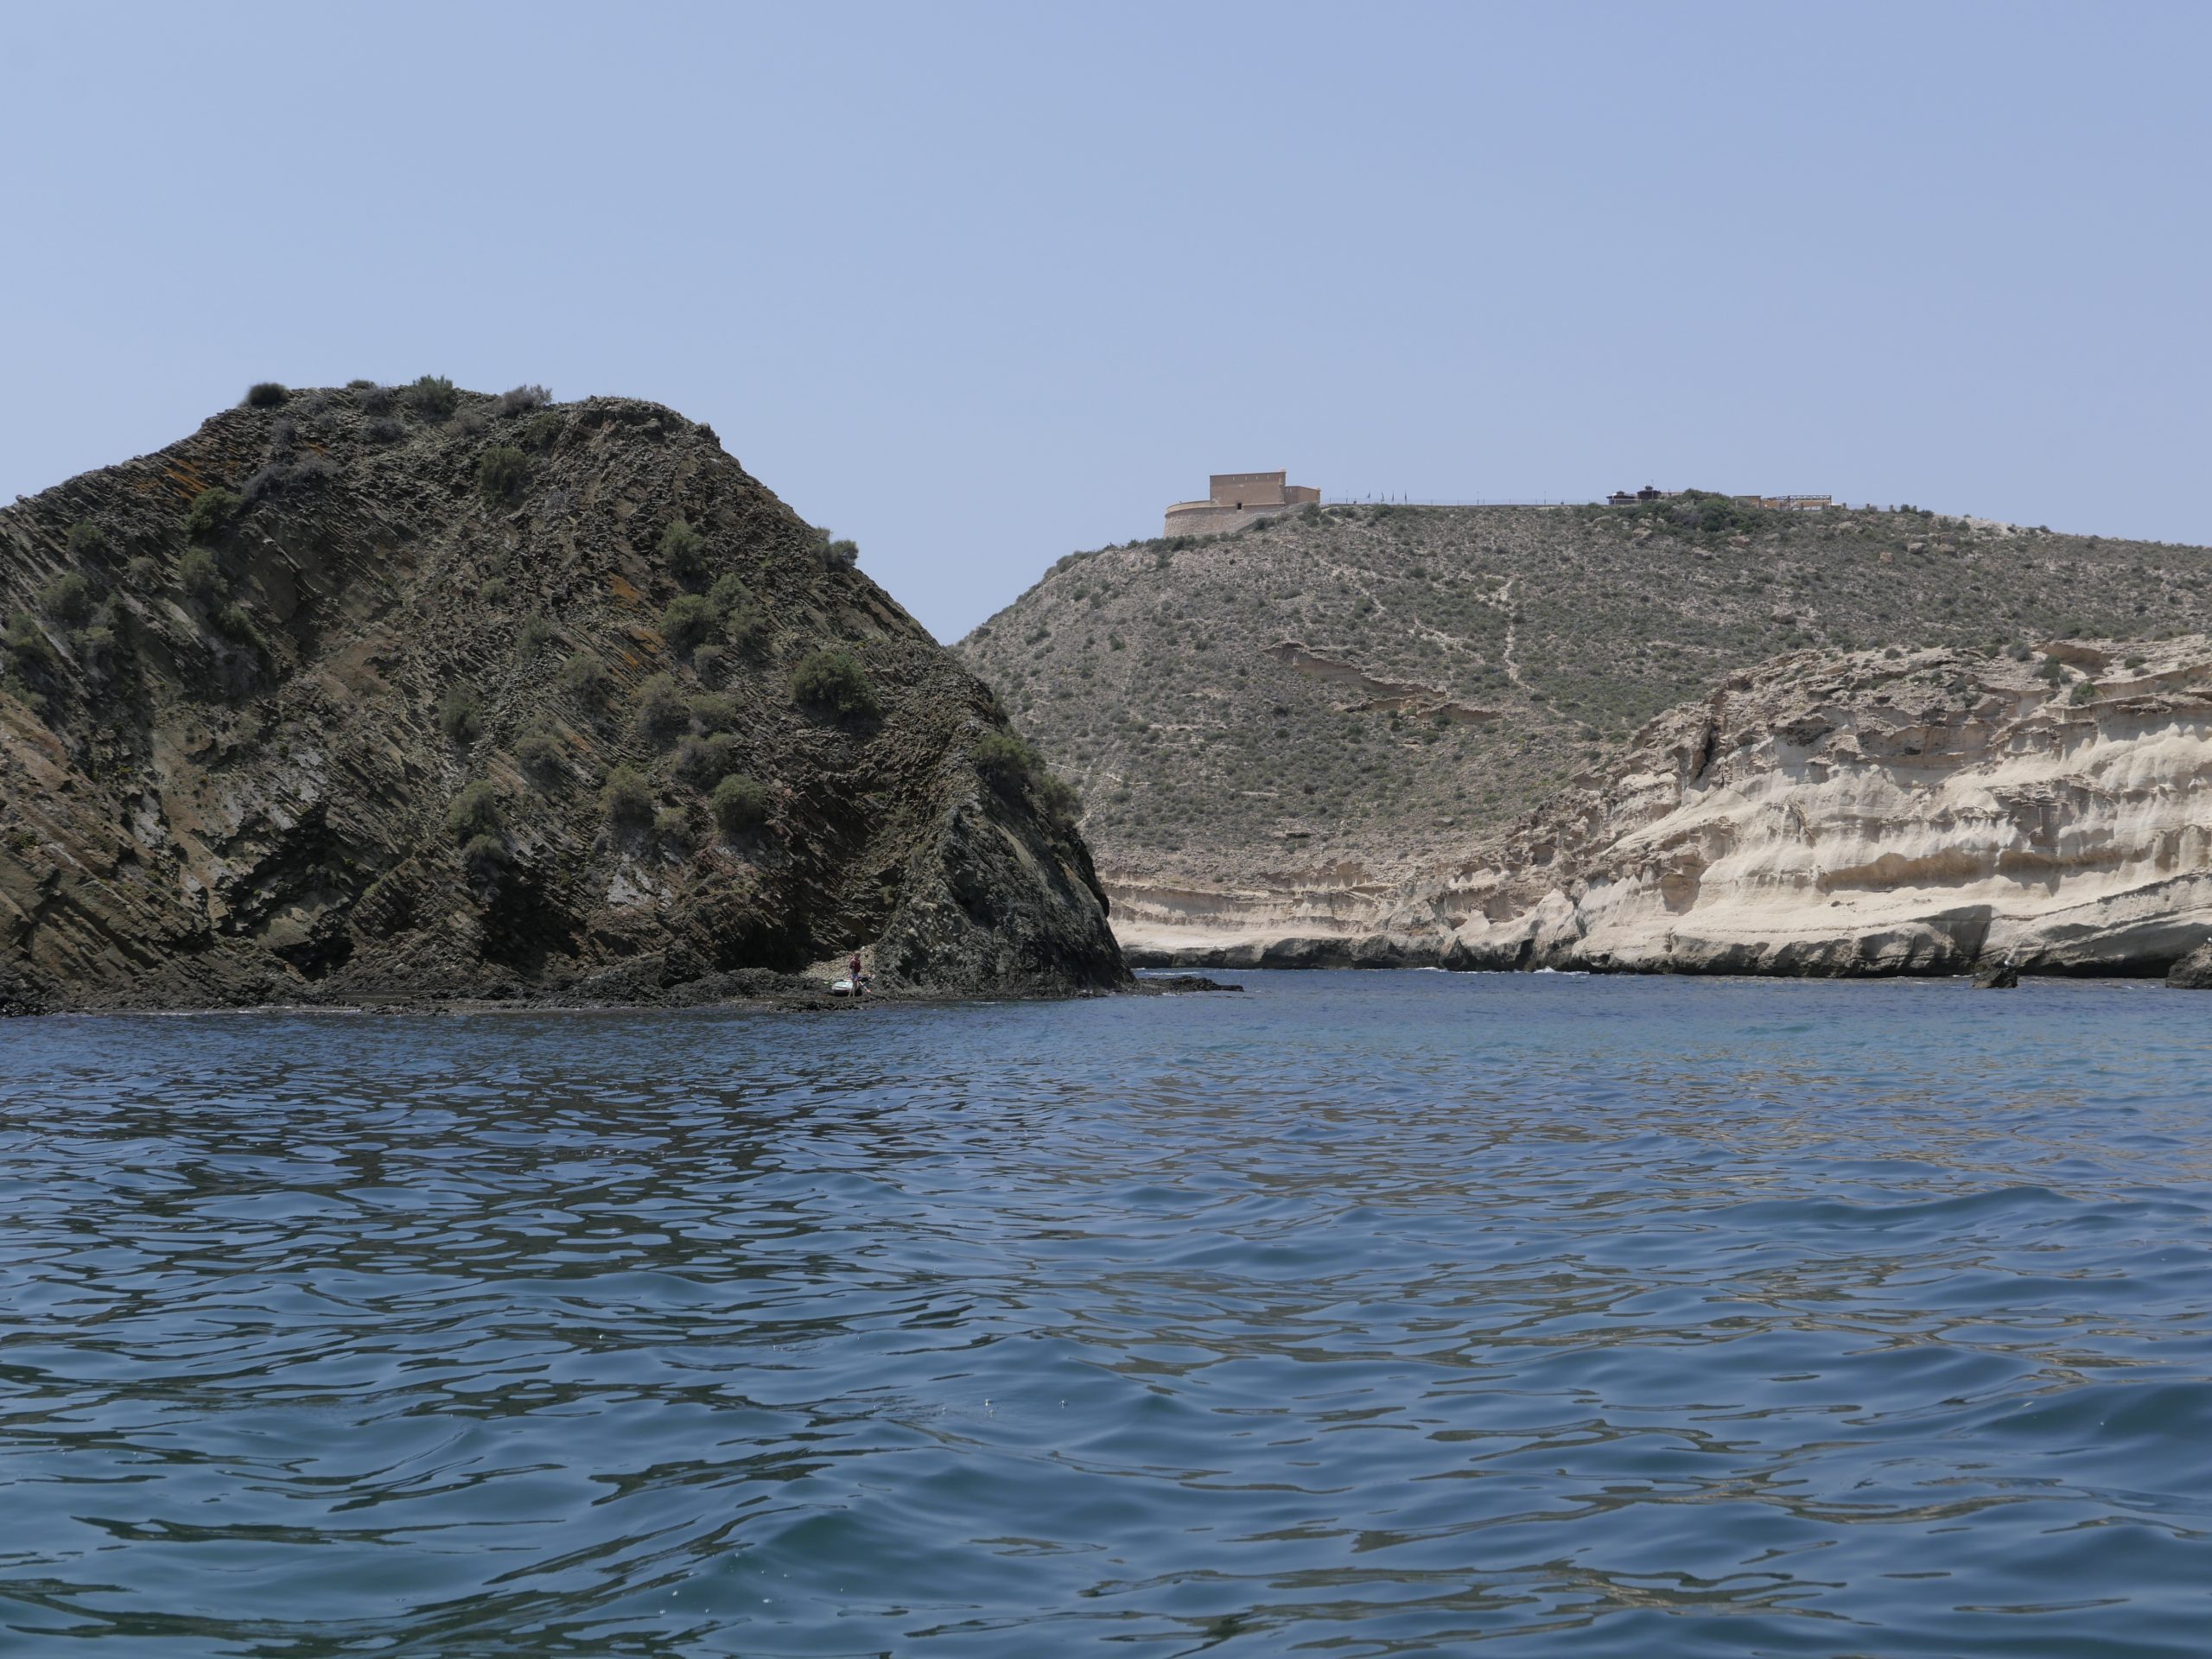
x: 1236, y: 499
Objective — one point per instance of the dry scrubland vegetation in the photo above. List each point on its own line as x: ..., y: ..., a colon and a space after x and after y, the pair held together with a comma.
x: 1149, y: 674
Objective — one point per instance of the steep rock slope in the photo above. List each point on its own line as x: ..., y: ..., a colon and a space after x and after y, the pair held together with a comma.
x: 399, y: 693
x: 1873, y: 813
x: 1274, y: 729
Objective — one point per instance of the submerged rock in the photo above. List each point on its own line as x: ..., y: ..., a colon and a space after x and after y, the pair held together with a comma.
x: 383, y: 695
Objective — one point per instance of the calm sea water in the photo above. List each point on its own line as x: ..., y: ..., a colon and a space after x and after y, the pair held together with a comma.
x: 1365, y: 1313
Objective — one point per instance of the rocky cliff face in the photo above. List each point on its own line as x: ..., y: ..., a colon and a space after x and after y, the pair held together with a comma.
x: 382, y: 694
x: 1873, y: 813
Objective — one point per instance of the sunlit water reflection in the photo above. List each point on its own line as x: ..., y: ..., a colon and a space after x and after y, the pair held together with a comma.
x: 1368, y: 1313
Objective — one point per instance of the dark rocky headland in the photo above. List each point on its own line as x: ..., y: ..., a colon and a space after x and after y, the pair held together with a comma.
x: 409, y: 695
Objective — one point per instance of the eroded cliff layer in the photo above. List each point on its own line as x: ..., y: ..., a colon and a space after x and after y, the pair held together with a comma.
x: 1875, y: 813
x: 381, y: 694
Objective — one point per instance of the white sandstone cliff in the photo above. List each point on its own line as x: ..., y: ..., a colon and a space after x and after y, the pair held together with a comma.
x: 1870, y: 814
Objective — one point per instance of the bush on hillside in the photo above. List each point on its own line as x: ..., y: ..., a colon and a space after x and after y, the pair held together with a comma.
x: 1006, y: 759
x: 211, y: 512
x: 199, y: 575
x: 673, y: 827
x: 266, y: 394
x: 534, y: 633
x: 684, y: 550
x: 544, y: 431
x: 374, y: 399
x: 67, y: 598
x: 460, y: 714
x: 384, y: 429
x: 743, y: 626
x: 142, y: 574
x: 474, y: 812
x: 28, y: 650
x: 661, y: 709
x: 689, y: 622
x: 715, y: 711
x: 583, y: 678
x: 484, y: 856
x: 1010, y: 764
x: 834, y: 683
x: 86, y: 540
x: 703, y: 761
x: 540, y: 748
x: 837, y: 553
x: 517, y: 399
x: 501, y: 472
x: 729, y: 593
x: 433, y: 397
x: 740, y: 803
x: 627, y: 798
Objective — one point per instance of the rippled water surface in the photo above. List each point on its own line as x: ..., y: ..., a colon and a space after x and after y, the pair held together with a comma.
x: 1374, y: 1313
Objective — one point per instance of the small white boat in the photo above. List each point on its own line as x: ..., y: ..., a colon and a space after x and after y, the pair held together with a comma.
x: 841, y: 988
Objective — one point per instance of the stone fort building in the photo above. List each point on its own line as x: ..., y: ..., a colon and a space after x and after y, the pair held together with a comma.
x: 1235, y: 499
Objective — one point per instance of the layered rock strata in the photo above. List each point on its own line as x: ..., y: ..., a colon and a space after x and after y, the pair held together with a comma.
x: 1876, y: 813
x: 375, y: 696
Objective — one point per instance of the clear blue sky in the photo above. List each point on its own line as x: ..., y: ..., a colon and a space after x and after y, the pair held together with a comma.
x: 982, y: 284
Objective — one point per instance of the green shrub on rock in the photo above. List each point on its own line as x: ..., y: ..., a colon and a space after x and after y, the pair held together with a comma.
x: 689, y: 622
x: 626, y: 797
x: 533, y: 636
x: 266, y: 394
x: 544, y: 431
x: 1010, y: 764
x: 740, y: 803
x: 684, y: 550
x: 583, y: 678
x: 474, y: 812
x: 1006, y: 759
x: 484, y: 856
x: 67, y: 598
x: 743, y: 625
x: 715, y: 711
x: 433, y: 397
x: 662, y: 711
x: 28, y: 650
x: 834, y: 682
x: 540, y: 748
x: 198, y: 575
x: 672, y: 826
x: 86, y: 540
x: 501, y: 473
x: 460, y: 714
x: 235, y: 623
x: 212, y: 511
x: 702, y: 761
